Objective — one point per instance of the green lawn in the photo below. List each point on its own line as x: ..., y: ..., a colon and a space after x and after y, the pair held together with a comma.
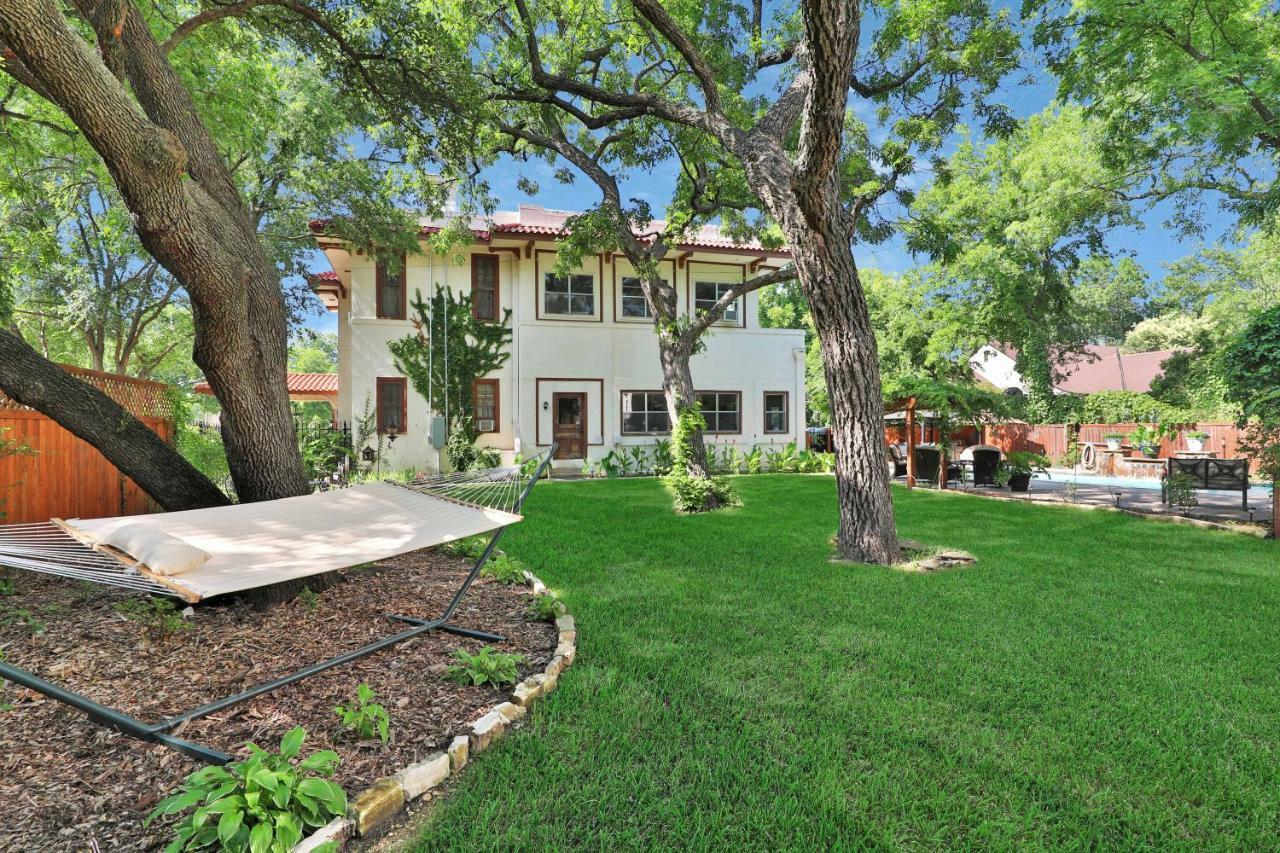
x: 1095, y: 681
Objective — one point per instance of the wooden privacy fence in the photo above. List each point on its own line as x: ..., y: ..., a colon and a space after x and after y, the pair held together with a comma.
x: 63, y: 477
x: 1051, y: 439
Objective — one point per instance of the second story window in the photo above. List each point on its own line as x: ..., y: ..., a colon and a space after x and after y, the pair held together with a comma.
x: 569, y: 295
x: 484, y: 287
x: 391, y: 289
x: 707, y: 293
x: 634, y: 305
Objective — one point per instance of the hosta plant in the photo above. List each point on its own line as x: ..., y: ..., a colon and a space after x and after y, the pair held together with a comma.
x: 545, y: 608
x: 264, y: 804
x: 487, y: 666
x: 504, y: 569
x: 364, y: 717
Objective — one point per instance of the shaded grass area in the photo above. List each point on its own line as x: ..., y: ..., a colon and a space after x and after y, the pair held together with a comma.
x: 1095, y: 680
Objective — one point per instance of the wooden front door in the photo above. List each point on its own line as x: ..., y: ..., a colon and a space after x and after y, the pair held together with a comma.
x: 569, y: 425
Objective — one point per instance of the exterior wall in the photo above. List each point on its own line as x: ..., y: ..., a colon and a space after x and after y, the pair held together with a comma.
x: 601, y: 355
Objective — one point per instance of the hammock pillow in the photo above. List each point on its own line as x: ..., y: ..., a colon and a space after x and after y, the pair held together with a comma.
x: 158, y: 551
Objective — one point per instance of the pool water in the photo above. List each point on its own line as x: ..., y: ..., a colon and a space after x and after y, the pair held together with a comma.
x: 1117, y: 482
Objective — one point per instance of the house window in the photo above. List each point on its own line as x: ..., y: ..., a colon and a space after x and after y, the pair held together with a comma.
x: 484, y: 287
x: 645, y: 413
x: 484, y: 402
x: 775, y: 411
x: 392, y: 400
x: 707, y: 293
x: 391, y: 289
x: 634, y: 305
x: 722, y: 409
x: 569, y: 295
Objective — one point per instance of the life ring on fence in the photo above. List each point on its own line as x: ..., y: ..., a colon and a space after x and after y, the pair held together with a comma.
x: 1088, y: 456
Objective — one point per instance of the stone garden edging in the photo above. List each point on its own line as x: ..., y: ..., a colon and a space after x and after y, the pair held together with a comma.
x: 381, y: 802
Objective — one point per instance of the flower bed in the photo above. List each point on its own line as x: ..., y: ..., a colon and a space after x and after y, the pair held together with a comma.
x: 66, y: 782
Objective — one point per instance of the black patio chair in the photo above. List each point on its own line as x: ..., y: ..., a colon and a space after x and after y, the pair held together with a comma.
x: 985, y: 465
x: 928, y: 462
x: 896, y: 461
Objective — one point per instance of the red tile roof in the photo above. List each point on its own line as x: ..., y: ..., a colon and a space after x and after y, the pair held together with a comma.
x: 299, y: 383
x: 1105, y: 368
x: 328, y: 277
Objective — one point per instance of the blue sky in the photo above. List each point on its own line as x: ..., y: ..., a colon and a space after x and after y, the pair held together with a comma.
x: 1028, y: 92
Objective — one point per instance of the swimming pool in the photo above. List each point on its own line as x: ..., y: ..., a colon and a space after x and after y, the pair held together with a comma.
x: 1061, y: 476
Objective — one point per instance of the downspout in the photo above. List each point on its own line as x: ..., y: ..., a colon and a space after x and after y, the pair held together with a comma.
x: 516, y: 292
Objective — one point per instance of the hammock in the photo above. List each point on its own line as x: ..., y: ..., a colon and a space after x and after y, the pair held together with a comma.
x: 254, y: 545
x: 245, y: 546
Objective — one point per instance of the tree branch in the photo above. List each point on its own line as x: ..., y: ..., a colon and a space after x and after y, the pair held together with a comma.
x: 705, y: 319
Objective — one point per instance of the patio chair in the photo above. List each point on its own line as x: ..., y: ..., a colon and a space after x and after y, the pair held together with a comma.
x: 897, y: 461
x: 928, y: 463
x: 985, y: 465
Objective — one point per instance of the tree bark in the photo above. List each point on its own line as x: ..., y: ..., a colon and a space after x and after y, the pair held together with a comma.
x: 86, y: 412
x: 677, y: 387
x: 829, y: 278
x: 187, y: 212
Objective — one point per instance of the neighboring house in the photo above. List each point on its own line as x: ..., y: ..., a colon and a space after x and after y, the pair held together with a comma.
x: 1098, y: 368
x: 303, y: 388
x: 584, y: 369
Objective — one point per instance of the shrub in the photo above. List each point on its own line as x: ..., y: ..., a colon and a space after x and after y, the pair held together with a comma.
x: 6, y: 586
x: 503, y: 569
x: 158, y: 615
x: 268, y: 801
x: 1180, y: 490
x: 364, y: 717
x: 545, y: 608
x: 693, y: 494
x: 487, y: 666
x: 472, y: 546
x: 662, y: 457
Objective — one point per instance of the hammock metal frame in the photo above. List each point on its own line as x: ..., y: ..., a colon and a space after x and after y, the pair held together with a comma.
x: 458, y: 487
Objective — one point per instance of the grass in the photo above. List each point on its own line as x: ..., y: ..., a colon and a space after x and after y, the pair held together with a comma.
x: 1095, y: 681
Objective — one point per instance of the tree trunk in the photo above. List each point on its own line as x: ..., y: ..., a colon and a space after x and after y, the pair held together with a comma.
x: 86, y: 412
x: 187, y: 212
x: 677, y: 385
x: 829, y: 277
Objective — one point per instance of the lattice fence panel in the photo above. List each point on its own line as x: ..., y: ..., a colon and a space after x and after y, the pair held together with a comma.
x: 141, y: 398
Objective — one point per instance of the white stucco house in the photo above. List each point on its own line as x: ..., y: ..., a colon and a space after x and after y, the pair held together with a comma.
x: 584, y: 366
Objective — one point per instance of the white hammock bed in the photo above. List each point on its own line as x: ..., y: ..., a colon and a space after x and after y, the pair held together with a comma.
x: 199, y: 554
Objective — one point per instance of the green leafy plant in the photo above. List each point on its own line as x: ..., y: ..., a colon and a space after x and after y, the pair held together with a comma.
x: 267, y: 802
x: 10, y: 615
x: 7, y: 587
x: 1197, y: 434
x: 755, y: 460
x: 1180, y: 490
x: 487, y: 666
x: 693, y: 494
x: 158, y: 615
x: 365, y: 717
x: 1114, y: 436
x: 783, y: 460
x: 503, y: 569
x: 661, y: 457
x: 472, y: 546
x: 545, y: 608
x: 309, y: 598
x: 1147, y: 437
x: 1021, y: 462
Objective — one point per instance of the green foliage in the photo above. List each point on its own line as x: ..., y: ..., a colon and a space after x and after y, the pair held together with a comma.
x: 314, y: 352
x: 364, y: 717
x: 159, y: 616
x: 1251, y: 367
x: 472, y: 546
x: 475, y: 348
x: 503, y: 569
x: 266, y: 802
x: 1021, y: 462
x: 487, y: 666
x: 1119, y: 407
x: 545, y: 607
x: 1147, y: 438
x: 1180, y: 490
x: 309, y: 599
x: 7, y: 587
x: 1261, y: 441
x: 324, y: 449
x: 689, y: 493
x: 14, y: 615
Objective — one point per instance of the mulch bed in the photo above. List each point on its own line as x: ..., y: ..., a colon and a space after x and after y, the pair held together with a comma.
x: 66, y: 782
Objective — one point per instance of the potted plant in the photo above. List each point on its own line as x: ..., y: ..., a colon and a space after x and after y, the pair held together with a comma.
x: 1195, y: 440
x: 1017, y: 467
x: 1147, y: 439
x: 1113, y: 440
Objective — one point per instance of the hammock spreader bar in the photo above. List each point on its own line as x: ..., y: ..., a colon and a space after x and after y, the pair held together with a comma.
x: 161, y: 732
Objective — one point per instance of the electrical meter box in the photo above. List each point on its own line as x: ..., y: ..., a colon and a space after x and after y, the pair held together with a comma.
x: 438, y: 433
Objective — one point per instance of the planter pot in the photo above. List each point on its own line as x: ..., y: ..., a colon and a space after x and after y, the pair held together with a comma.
x: 1113, y: 444
x: 1195, y: 445
x: 1019, y: 482
x: 1150, y: 451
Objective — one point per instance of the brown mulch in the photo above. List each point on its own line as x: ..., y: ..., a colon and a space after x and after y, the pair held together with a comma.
x: 66, y: 782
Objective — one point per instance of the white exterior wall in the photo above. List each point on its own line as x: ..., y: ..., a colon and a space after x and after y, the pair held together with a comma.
x: 601, y: 356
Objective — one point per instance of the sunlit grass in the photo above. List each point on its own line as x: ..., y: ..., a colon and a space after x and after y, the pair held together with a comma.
x: 1095, y: 681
